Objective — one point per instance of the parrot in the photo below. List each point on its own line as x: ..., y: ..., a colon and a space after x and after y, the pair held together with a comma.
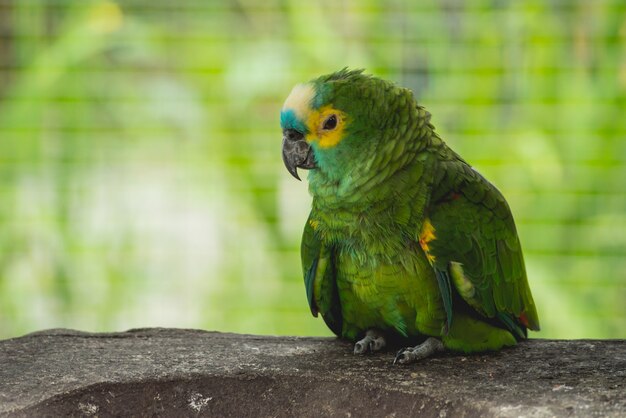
x: 404, y: 239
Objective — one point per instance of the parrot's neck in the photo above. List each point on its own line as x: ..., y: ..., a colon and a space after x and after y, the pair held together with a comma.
x: 350, y: 181
x: 372, y: 166
x: 376, y: 184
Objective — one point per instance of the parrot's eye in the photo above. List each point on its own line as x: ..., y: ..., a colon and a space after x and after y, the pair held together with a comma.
x: 330, y: 123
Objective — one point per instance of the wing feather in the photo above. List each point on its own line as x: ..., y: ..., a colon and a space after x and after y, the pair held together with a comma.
x: 475, y: 232
x: 318, y: 268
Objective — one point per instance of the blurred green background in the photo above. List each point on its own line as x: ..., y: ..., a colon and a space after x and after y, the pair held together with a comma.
x: 141, y: 182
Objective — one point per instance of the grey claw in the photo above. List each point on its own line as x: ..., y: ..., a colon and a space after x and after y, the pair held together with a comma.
x: 412, y: 354
x: 360, y: 348
x: 372, y: 342
x: 378, y: 344
x: 400, y: 356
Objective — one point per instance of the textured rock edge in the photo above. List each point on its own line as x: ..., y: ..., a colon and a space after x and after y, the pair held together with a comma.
x: 151, y: 372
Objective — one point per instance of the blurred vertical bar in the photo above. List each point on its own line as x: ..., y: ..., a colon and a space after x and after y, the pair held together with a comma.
x: 7, y: 61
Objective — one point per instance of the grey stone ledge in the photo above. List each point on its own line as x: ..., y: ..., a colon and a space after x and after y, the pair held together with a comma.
x: 178, y: 372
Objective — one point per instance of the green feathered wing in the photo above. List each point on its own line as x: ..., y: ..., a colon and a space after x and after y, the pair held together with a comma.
x: 475, y: 249
x: 318, y: 268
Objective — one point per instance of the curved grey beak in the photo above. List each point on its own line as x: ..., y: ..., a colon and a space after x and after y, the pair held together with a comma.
x: 297, y: 153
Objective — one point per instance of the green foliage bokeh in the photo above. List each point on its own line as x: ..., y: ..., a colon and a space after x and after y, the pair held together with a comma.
x: 141, y: 182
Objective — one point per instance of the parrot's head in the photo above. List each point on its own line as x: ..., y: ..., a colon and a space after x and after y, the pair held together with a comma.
x: 337, y: 123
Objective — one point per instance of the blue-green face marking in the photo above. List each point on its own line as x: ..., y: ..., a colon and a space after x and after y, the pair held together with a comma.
x: 289, y: 120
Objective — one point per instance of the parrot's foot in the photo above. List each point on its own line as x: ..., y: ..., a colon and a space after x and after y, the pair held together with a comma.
x: 412, y: 354
x: 372, y: 342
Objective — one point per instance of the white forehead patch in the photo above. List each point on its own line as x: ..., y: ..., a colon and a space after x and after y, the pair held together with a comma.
x: 299, y: 100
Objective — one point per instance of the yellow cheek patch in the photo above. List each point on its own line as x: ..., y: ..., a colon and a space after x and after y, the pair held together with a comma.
x: 328, y: 138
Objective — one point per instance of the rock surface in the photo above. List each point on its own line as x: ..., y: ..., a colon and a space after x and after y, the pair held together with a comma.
x: 177, y: 372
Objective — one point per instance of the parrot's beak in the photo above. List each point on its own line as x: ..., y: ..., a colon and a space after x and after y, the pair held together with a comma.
x: 296, y: 152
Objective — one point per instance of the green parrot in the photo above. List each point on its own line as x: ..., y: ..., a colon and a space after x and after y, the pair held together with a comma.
x: 404, y: 238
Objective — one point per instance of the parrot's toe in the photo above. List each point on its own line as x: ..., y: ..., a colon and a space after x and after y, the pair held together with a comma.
x: 361, y: 346
x: 372, y: 342
x: 410, y: 355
